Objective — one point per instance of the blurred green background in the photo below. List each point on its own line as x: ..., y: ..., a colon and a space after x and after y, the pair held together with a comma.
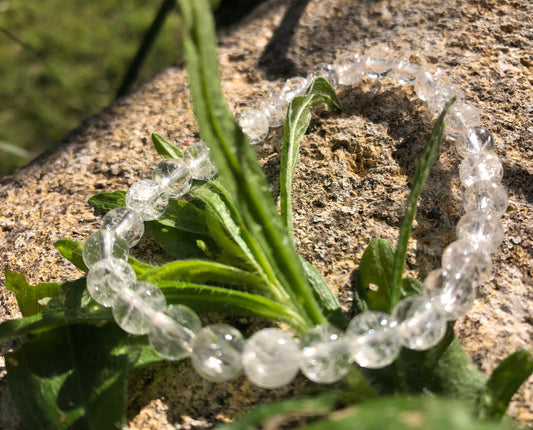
x: 62, y: 61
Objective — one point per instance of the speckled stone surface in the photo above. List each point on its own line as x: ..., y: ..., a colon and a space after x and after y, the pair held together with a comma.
x: 351, y: 183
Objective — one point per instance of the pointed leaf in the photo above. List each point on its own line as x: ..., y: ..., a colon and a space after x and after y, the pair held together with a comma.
x: 164, y: 147
x: 206, y: 298
x: 504, y: 382
x: 427, y: 159
x: 107, y: 201
x: 298, y: 118
x: 325, y: 297
x: 238, y: 168
x: 374, y: 275
x: 201, y: 271
x: 29, y: 297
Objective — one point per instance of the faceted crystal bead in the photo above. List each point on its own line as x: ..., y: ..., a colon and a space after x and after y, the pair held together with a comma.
x: 104, y: 244
x: 461, y: 117
x: 463, y: 257
x: 452, y: 292
x: 216, y: 352
x: 407, y: 69
x: 326, y: 71
x: 325, y: 355
x: 270, y: 358
x: 275, y: 109
x: 148, y: 199
x: 487, y: 197
x: 125, y: 223
x: 107, y: 277
x: 254, y: 124
x: 173, y: 176
x: 376, y: 344
x: 173, y: 331
x: 349, y: 68
x: 378, y: 61
x: 474, y: 141
x: 196, y: 158
x: 482, y: 229
x: 485, y: 166
x: 420, y: 323
x: 293, y: 87
x: 135, y: 307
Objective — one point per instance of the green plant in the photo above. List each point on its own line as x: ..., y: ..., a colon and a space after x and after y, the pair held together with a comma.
x: 234, y: 253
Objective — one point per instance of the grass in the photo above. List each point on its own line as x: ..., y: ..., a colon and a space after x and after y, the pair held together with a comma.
x: 61, y: 61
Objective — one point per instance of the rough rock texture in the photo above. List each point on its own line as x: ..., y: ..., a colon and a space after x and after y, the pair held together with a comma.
x: 351, y: 183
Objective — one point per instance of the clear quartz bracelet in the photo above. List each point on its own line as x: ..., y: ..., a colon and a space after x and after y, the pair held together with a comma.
x: 271, y: 357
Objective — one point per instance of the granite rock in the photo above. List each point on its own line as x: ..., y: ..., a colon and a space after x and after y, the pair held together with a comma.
x: 350, y: 186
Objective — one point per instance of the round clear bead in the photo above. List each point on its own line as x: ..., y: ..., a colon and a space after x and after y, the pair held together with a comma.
x: 487, y: 197
x: 452, y: 292
x: 270, y: 358
x: 349, y: 68
x: 276, y: 110
x: 376, y: 344
x: 326, y: 71
x: 420, y: 323
x: 485, y: 166
x: 106, y: 278
x: 293, y: 87
x: 461, y: 118
x: 325, y: 355
x: 443, y: 93
x: 173, y: 330
x: 482, y: 229
x: 135, y: 307
x: 408, y: 68
x: 425, y: 85
x: 254, y: 124
x: 173, y: 176
x: 104, y: 244
x: 148, y: 199
x: 196, y: 158
x: 378, y: 61
x: 473, y: 141
x: 465, y: 258
x: 125, y: 223
x: 216, y: 352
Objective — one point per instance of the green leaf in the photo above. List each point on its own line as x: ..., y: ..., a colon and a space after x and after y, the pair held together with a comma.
x: 72, y: 251
x: 298, y: 118
x: 177, y: 243
x: 285, y: 410
x: 107, y: 201
x: 410, y: 287
x: 206, y: 298
x: 29, y: 297
x: 184, y: 216
x: 504, y: 382
x: 406, y: 413
x: 165, y: 148
x: 373, y: 283
x: 71, y: 377
x: 239, y: 170
x: 325, y: 297
x: 51, y: 319
x: 201, y: 271
x: 428, y: 158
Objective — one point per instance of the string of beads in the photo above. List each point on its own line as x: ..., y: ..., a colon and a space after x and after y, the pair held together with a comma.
x: 271, y: 357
